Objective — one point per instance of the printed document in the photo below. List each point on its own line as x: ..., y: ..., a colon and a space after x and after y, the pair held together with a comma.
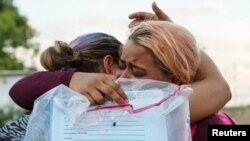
x: 115, y: 127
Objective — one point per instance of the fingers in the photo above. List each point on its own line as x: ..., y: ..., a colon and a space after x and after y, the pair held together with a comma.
x: 96, y: 86
x: 96, y: 96
x: 109, y: 91
x: 117, y: 89
x: 159, y: 13
x: 110, y: 88
x: 91, y: 100
x: 106, y: 86
x: 141, y: 16
x: 134, y: 23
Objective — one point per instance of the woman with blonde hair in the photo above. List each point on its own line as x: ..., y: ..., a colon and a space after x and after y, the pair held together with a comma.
x: 173, y: 48
x: 165, y: 51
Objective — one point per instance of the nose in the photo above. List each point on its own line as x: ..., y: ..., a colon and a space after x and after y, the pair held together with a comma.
x: 125, y: 74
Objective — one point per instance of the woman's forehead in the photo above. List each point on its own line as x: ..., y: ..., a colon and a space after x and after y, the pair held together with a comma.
x: 131, y: 50
x: 135, y: 54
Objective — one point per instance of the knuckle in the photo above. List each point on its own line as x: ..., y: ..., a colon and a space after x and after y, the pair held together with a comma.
x: 109, y: 91
x: 112, y: 77
x: 90, y: 99
x: 119, y: 100
x: 115, y: 86
x: 99, y: 99
x: 94, y: 81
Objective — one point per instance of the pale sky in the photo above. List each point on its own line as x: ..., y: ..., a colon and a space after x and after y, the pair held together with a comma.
x: 222, y: 26
x: 66, y: 19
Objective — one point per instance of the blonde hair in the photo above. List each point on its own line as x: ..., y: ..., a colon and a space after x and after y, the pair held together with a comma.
x: 173, y: 48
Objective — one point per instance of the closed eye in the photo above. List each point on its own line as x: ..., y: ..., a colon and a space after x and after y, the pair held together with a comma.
x: 121, y: 65
x: 137, y: 72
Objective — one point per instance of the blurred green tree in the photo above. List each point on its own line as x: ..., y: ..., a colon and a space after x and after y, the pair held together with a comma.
x: 14, y: 33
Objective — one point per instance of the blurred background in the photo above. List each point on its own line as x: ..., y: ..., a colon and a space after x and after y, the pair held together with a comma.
x: 27, y: 27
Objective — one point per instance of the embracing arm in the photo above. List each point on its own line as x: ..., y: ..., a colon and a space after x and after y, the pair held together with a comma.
x: 92, y: 85
x: 211, y: 91
x: 25, y: 91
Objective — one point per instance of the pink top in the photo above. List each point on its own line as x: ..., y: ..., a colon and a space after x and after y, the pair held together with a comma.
x: 220, y: 116
x: 25, y: 91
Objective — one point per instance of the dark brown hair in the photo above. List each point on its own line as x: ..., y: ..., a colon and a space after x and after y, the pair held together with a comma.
x: 84, y: 53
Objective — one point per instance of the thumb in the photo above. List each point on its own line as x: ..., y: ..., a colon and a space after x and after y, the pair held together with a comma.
x: 159, y: 13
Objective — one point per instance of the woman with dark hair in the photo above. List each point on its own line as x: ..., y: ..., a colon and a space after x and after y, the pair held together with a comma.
x: 95, y: 52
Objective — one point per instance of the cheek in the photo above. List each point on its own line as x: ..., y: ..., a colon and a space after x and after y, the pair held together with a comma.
x: 155, y: 77
x: 113, y: 69
x: 118, y: 72
x: 157, y: 74
x: 164, y: 78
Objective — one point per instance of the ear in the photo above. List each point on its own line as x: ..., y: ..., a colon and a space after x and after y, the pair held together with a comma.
x: 107, y: 63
